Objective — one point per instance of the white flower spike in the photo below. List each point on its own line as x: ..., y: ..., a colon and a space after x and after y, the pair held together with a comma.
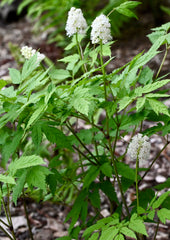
x: 76, y: 22
x: 28, y: 52
x: 101, y: 30
x: 139, y: 147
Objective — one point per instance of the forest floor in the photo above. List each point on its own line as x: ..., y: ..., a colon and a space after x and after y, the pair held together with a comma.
x: 47, y: 218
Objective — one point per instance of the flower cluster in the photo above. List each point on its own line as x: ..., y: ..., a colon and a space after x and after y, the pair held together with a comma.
x: 76, y: 23
x: 28, y: 52
x: 139, y: 147
x: 101, y: 30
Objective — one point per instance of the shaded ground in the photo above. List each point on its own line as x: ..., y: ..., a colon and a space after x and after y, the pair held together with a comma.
x: 47, y: 218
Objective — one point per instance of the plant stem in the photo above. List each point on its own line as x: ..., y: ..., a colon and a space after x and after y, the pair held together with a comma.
x: 103, y: 69
x: 7, y: 234
x: 163, y: 60
x: 111, y: 12
x: 26, y: 214
x: 108, y: 135
x: 118, y: 180
x: 136, y: 180
x: 9, y: 214
x: 156, y: 231
x: 80, y: 52
x: 73, y: 132
x: 5, y: 210
x: 84, y: 155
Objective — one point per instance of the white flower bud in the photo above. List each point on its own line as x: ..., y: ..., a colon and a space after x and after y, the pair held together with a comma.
x: 28, y: 52
x: 101, y: 30
x: 76, y: 23
x: 139, y: 147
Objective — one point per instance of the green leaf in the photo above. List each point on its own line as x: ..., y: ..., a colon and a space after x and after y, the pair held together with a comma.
x: 69, y: 59
x: 94, y: 197
x: 91, y: 175
x: 17, y: 190
x: 36, y: 114
x: 29, y: 66
x: 150, y: 87
x: 15, y: 75
x: 84, y: 211
x: 158, y: 107
x: 146, y: 196
x: 109, y: 233
x: 59, y: 74
x: 106, y: 169
x: 145, y: 76
x: 109, y: 190
x: 106, y: 49
x: 53, y: 179
x: 163, y: 214
x: 151, y: 214
x: 2, y: 83
x: 160, y: 200
x: 161, y: 186
x: 8, y: 92
x: 7, y: 179
x: 137, y: 225
x: 94, y: 236
x: 24, y: 162
x: 76, y: 210
x: 127, y: 232
x: 54, y: 135
x: 36, y: 135
x: 125, y: 171
x: 11, y: 146
x: 124, y: 102
x: 36, y: 177
x: 140, y: 103
x: 82, y: 100
x: 94, y: 227
x: 126, y: 12
x: 65, y: 238
x: 124, y: 8
x: 126, y: 183
x: 119, y: 237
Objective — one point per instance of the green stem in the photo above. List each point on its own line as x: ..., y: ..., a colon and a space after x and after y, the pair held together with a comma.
x: 26, y: 214
x: 95, y: 143
x: 7, y: 234
x: 4, y: 223
x: 136, y: 180
x: 163, y: 60
x: 156, y: 231
x: 84, y: 155
x: 72, y: 130
x: 80, y: 52
x: 111, y: 12
x: 103, y: 69
x: 118, y: 180
x: 5, y: 210
x: 108, y: 135
x: 9, y: 214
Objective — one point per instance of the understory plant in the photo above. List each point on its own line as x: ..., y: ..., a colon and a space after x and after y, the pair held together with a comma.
x: 61, y: 130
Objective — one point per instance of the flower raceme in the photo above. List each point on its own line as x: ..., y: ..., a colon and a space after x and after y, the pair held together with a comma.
x: 101, y: 30
x: 139, y: 148
x: 76, y: 22
x: 28, y: 52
